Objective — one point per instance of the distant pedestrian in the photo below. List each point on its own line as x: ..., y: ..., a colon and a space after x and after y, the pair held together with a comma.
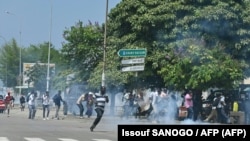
x: 22, y: 102
x: 188, y: 102
x: 90, y: 104
x: 100, y: 100
x: 79, y: 102
x: 57, y: 99
x: 32, y: 105
x: 9, y: 102
x: 213, y: 113
x: 247, y: 108
x: 65, y: 108
x: 46, y: 105
x: 222, y: 117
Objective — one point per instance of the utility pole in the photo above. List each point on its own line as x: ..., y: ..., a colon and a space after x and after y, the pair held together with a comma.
x: 20, y: 52
x: 48, y: 68
x: 104, y: 45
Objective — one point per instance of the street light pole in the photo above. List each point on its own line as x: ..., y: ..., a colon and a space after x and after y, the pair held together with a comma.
x: 48, y: 68
x: 104, y: 45
x: 20, y: 51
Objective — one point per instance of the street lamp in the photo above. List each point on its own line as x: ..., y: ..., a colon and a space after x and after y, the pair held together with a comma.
x: 48, y: 68
x: 104, y: 45
x: 20, y: 50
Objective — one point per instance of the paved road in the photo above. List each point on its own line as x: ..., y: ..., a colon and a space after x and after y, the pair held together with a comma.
x: 114, y: 119
x: 17, y: 127
x: 17, y: 113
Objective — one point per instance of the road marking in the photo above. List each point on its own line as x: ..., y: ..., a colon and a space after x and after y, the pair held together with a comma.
x: 34, y: 139
x: 66, y: 139
x: 4, y: 139
x: 101, y: 140
x: 61, y: 139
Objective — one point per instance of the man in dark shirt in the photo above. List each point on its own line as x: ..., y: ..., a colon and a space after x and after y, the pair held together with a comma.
x: 22, y: 102
x: 57, y: 100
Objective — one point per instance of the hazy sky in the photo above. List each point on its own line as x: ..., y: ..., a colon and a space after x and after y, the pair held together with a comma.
x: 33, y: 17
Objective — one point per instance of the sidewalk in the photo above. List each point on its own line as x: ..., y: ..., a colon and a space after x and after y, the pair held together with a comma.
x: 107, y: 119
x: 16, y: 111
x: 111, y: 119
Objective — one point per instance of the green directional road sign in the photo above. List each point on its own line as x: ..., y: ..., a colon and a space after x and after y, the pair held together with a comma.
x: 132, y: 52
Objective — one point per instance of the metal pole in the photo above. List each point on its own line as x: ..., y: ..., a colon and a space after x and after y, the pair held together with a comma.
x: 20, y: 63
x: 104, y: 45
x: 48, y: 68
x: 20, y: 51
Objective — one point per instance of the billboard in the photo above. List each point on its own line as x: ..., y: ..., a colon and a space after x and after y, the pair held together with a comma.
x: 28, y: 66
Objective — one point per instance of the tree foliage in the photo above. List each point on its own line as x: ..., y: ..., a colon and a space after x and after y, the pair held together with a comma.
x: 190, y: 44
x: 195, y: 44
x: 9, y: 62
x: 38, y: 74
x: 83, y: 50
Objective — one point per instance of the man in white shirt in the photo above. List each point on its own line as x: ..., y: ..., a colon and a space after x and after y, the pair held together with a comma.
x: 46, y: 105
x: 79, y: 101
x: 31, y: 105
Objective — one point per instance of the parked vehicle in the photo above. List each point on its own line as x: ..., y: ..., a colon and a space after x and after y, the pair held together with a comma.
x: 2, y: 104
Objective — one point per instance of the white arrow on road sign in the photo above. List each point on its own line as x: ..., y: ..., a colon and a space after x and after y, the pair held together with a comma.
x: 133, y: 68
x: 133, y: 61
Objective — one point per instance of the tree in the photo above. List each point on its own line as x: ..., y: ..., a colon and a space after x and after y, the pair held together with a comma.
x: 38, y: 73
x: 134, y: 24
x: 83, y: 50
x: 190, y: 44
x: 205, y: 46
x: 9, y: 63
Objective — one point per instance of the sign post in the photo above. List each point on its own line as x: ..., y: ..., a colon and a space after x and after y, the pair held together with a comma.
x: 132, y: 52
x: 142, y: 52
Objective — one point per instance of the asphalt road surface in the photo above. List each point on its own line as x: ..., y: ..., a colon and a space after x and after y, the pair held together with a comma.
x: 17, y: 127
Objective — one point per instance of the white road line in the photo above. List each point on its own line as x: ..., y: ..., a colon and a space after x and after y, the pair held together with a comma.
x: 66, y: 139
x: 33, y: 139
x: 4, y: 139
x: 61, y: 139
x: 101, y: 140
